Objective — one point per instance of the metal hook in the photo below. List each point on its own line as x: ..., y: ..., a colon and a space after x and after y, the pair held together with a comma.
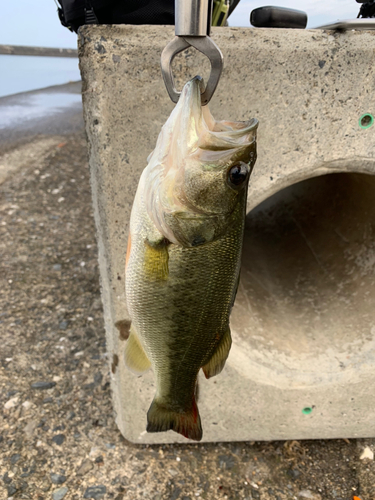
x: 192, y: 27
x: 205, y: 45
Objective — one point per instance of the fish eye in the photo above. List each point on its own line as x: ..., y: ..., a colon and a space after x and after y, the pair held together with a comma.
x: 237, y: 174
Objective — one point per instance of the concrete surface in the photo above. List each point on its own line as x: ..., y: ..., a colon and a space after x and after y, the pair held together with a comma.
x: 58, y: 437
x: 302, y: 362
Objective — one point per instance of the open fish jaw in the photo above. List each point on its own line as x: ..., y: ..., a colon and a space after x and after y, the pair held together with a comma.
x: 190, y: 140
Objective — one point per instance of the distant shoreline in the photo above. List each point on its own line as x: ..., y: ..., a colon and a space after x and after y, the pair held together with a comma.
x: 24, y: 50
x: 20, y: 73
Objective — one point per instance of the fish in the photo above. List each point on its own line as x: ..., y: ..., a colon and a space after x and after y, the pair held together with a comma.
x: 183, y: 256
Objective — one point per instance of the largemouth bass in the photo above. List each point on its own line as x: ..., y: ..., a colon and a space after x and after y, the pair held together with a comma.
x: 183, y: 257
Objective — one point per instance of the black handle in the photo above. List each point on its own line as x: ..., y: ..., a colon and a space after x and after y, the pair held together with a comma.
x: 278, y: 17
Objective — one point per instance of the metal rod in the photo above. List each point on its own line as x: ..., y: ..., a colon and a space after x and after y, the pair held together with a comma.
x: 193, y: 17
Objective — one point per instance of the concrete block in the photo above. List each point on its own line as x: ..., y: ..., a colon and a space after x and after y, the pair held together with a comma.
x: 303, y: 358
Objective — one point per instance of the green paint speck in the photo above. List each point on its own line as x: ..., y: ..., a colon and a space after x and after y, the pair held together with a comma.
x: 307, y: 410
x: 366, y: 121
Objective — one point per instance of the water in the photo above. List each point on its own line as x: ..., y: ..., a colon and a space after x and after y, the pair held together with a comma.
x: 24, y: 73
x: 29, y: 107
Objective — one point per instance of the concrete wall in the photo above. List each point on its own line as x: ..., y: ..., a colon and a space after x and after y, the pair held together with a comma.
x: 304, y: 321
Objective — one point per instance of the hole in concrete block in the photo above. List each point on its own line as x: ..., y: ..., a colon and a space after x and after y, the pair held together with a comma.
x: 305, y: 309
x: 123, y: 326
x: 114, y: 365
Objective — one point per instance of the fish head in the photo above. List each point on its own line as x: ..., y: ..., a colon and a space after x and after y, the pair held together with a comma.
x: 199, y: 171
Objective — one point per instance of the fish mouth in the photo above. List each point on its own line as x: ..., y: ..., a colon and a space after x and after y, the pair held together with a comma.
x: 210, y: 134
x: 191, y: 135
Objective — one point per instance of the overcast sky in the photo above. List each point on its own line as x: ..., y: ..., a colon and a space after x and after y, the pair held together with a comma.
x: 23, y: 22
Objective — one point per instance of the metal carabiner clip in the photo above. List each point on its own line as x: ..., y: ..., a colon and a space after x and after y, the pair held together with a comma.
x: 192, y: 28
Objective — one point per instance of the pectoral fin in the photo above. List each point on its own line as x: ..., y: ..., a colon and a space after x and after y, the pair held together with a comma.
x: 156, y: 260
x: 135, y: 357
x: 219, y: 357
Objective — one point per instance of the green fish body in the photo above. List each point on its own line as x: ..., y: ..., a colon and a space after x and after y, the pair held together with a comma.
x: 183, y: 258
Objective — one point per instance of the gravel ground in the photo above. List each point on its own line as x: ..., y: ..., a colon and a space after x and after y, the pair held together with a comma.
x: 58, y: 438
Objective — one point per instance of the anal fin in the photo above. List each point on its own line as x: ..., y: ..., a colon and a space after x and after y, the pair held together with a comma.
x: 135, y: 357
x: 219, y: 357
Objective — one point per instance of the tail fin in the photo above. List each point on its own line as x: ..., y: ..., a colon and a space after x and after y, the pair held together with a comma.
x: 160, y: 418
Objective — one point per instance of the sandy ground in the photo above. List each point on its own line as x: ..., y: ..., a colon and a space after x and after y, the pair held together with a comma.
x: 58, y: 438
